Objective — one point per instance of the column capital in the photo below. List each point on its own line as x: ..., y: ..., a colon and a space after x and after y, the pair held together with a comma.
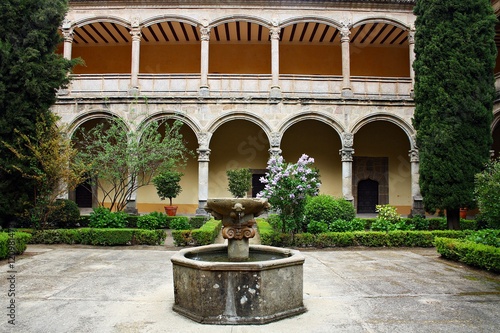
x: 274, y: 152
x: 345, y: 31
x: 205, y: 33
x: 203, y: 154
x: 413, y: 153
x: 135, y: 32
x: 411, y: 37
x: 274, y: 32
x: 346, y: 154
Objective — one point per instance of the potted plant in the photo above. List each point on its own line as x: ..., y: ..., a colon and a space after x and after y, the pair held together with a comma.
x: 167, y: 186
x: 240, y: 182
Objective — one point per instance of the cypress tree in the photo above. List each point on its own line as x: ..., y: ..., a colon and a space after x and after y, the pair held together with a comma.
x: 454, y: 92
x: 30, y: 73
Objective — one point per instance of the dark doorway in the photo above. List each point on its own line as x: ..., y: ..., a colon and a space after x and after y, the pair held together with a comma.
x: 257, y: 186
x: 83, y: 195
x: 367, y: 196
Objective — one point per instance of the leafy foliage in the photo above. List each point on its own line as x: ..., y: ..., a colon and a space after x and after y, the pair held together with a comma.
x: 150, y: 221
x: 328, y: 209
x: 30, y: 72
x: 52, y: 167
x: 454, y: 92
x: 121, y: 161
x: 287, y: 186
x: 102, y: 217
x: 65, y: 214
x: 180, y: 223
x: 167, y: 184
x: 487, y: 237
x: 239, y: 182
x: 487, y: 191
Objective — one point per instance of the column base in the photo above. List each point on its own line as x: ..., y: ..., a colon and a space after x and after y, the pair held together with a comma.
x: 131, y: 208
x: 347, y: 92
x: 275, y: 92
x: 204, y: 91
x: 418, y: 208
x: 134, y: 91
x: 201, y: 208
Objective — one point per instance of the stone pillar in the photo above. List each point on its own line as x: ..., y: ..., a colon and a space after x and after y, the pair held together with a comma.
x: 205, y: 43
x: 203, y: 162
x: 68, y: 39
x: 411, y: 47
x: 346, y: 156
x: 345, y: 32
x: 136, y: 49
x: 417, y: 206
x: 275, y: 62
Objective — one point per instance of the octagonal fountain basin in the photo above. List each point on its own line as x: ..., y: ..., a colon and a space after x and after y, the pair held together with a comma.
x: 210, y: 289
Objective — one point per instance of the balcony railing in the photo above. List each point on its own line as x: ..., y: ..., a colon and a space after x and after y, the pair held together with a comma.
x: 238, y: 86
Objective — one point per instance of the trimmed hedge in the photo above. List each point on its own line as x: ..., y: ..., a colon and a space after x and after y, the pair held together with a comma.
x: 94, y: 236
x: 202, y: 236
x: 470, y: 253
x: 396, y: 238
x: 20, y: 242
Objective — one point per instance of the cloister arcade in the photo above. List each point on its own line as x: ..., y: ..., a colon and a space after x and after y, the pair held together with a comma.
x: 330, y: 82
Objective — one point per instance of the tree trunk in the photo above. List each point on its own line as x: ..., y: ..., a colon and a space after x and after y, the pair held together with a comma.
x: 453, y: 218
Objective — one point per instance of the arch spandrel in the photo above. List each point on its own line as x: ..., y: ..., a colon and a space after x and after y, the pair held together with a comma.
x: 307, y: 115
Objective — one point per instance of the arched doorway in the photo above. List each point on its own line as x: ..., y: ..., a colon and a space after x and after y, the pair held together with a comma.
x: 367, y: 196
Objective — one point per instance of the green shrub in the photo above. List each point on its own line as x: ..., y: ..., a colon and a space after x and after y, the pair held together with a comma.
x: 66, y: 214
x: 93, y: 236
x: 305, y: 239
x: 345, y: 226
x: 471, y: 253
x: 13, y: 243
x: 315, y: 227
x: 202, y: 236
x: 438, y: 223
x: 102, y: 217
x: 420, y: 222
x: 468, y: 224
x: 275, y: 221
x: 487, y: 237
x: 149, y: 237
x: 335, y: 239
x: 325, y: 208
x: 197, y: 221
x: 131, y: 221
x: 487, y: 193
x: 149, y: 221
x: 180, y: 223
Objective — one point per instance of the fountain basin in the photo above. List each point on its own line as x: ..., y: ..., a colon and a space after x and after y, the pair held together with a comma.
x: 231, y: 293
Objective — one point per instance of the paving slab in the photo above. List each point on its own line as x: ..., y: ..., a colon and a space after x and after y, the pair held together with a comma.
x: 61, y: 288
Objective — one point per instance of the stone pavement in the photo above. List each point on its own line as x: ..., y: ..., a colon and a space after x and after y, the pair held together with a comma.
x: 61, y: 288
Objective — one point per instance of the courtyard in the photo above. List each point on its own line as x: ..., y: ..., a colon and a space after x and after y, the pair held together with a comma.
x: 62, y: 288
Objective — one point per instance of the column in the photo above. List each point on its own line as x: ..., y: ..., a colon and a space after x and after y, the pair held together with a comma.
x: 411, y: 47
x: 417, y: 205
x: 68, y: 39
x: 345, y: 32
x: 203, y: 161
x: 275, y: 62
x: 136, y: 49
x: 346, y: 157
x: 205, y: 43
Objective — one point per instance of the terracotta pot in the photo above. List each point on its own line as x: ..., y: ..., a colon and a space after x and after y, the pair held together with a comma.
x: 463, y: 213
x: 171, y: 210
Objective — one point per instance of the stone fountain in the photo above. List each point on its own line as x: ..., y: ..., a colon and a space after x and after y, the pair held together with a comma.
x: 238, y: 283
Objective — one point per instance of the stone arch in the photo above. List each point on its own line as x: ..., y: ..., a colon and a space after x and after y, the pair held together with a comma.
x: 97, y: 19
x: 239, y: 115
x: 308, y: 115
x: 165, y: 18
x: 496, y: 118
x: 189, y: 121
x: 401, y: 123
x: 316, y: 19
x: 246, y: 18
x: 382, y: 19
x: 96, y: 114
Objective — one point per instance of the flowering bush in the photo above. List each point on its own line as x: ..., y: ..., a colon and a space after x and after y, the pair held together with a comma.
x: 286, y: 188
